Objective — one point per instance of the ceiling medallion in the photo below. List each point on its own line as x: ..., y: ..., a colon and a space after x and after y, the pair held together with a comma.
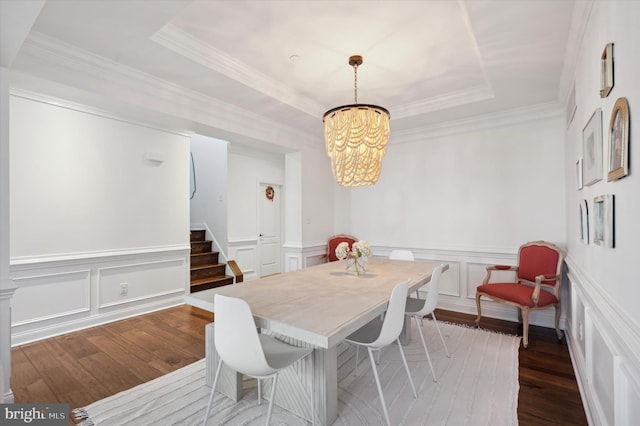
x: 356, y: 136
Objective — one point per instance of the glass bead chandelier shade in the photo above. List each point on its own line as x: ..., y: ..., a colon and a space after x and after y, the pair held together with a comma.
x: 356, y: 137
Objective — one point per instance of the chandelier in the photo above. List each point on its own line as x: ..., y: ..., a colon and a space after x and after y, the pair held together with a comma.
x: 356, y: 136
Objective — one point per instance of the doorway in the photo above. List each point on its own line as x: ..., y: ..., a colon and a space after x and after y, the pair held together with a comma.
x: 269, y: 228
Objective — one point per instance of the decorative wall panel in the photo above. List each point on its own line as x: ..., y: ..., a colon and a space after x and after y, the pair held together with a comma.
x: 49, y: 296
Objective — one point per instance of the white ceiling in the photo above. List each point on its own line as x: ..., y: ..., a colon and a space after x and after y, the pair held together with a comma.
x: 426, y: 61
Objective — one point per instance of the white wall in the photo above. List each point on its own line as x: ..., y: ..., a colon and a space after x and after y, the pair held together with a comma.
x: 7, y: 287
x: 604, y: 325
x: 469, y: 194
x: 98, y: 231
x: 16, y: 19
x: 318, y: 186
x: 247, y: 167
x: 209, y: 203
x: 489, y: 188
x: 80, y: 183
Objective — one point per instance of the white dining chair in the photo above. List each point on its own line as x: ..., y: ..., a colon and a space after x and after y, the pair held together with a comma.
x: 401, y: 255
x: 243, y: 349
x: 418, y: 308
x: 379, y: 333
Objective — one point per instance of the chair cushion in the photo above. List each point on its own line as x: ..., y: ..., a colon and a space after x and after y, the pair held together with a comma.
x: 517, y: 293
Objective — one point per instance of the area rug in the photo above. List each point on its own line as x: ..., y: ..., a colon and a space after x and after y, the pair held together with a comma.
x: 477, y: 385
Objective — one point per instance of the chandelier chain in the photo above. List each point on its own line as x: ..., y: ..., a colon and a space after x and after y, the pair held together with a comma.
x: 355, y: 82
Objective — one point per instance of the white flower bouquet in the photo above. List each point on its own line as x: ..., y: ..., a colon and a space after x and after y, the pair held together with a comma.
x: 356, y: 255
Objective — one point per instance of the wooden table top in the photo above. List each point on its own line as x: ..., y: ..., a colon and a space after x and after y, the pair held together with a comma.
x: 323, y: 304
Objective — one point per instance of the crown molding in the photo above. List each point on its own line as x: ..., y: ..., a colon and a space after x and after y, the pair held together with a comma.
x: 99, y: 75
x: 185, y: 44
x: 449, y: 100
x: 66, y: 104
x: 487, y: 121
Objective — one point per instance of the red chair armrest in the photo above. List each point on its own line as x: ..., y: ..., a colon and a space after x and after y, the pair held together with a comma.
x: 503, y: 267
x: 497, y: 268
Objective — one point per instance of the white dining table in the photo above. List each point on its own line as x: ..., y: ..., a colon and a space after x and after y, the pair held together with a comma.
x: 316, y: 307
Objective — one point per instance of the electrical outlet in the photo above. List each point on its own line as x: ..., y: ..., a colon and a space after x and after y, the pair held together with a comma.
x: 124, y: 289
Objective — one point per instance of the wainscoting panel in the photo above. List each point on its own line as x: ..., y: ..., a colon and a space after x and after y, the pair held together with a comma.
x: 38, y: 297
x: 600, y: 364
x: 292, y: 262
x: 122, y: 284
x: 68, y: 293
x: 245, y: 253
x: 449, y: 281
x: 627, y: 391
x: 605, y: 349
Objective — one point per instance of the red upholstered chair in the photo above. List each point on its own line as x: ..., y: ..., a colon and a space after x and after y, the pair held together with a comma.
x: 539, y: 268
x: 333, y: 243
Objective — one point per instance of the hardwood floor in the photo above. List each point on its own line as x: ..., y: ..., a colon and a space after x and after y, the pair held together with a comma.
x: 88, y: 365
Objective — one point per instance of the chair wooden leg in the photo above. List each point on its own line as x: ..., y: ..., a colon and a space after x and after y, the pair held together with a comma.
x: 558, y: 331
x: 525, y: 327
x: 375, y: 374
x: 435, y: 321
x: 213, y: 391
x: 273, y: 393
x: 355, y: 370
x: 479, y: 309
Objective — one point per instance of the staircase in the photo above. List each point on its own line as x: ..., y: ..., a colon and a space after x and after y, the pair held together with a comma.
x: 206, y: 272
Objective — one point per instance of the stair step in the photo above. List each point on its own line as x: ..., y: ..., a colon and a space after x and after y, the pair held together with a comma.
x: 197, y: 235
x: 207, y: 271
x: 199, y: 259
x: 208, y: 283
x: 200, y: 246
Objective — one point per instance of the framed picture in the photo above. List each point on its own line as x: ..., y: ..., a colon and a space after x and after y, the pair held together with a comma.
x: 603, y: 226
x: 592, y: 149
x: 606, y: 71
x: 579, y: 174
x: 584, y: 221
x: 619, y: 141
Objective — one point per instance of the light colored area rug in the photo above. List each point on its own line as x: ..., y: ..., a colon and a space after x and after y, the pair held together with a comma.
x: 477, y: 386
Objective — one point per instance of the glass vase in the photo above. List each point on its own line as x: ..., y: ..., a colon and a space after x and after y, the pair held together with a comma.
x: 355, y: 265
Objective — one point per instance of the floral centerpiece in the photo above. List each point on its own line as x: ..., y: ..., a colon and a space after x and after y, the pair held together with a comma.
x: 356, y: 255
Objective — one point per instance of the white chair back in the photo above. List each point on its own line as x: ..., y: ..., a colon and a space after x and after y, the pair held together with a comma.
x: 236, y: 337
x: 394, y: 318
x: 401, y: 255
x: 434, y: 288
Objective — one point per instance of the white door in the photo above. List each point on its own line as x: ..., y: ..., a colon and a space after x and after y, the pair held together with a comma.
x: 270, y: 197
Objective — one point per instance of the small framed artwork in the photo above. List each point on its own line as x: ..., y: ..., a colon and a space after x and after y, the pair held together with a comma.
x: 592, y: 149
x: 619, y: 141
x: 606, y: 71
x: 579, y: 174
x: 603, y: 223
x: 584, y: 222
